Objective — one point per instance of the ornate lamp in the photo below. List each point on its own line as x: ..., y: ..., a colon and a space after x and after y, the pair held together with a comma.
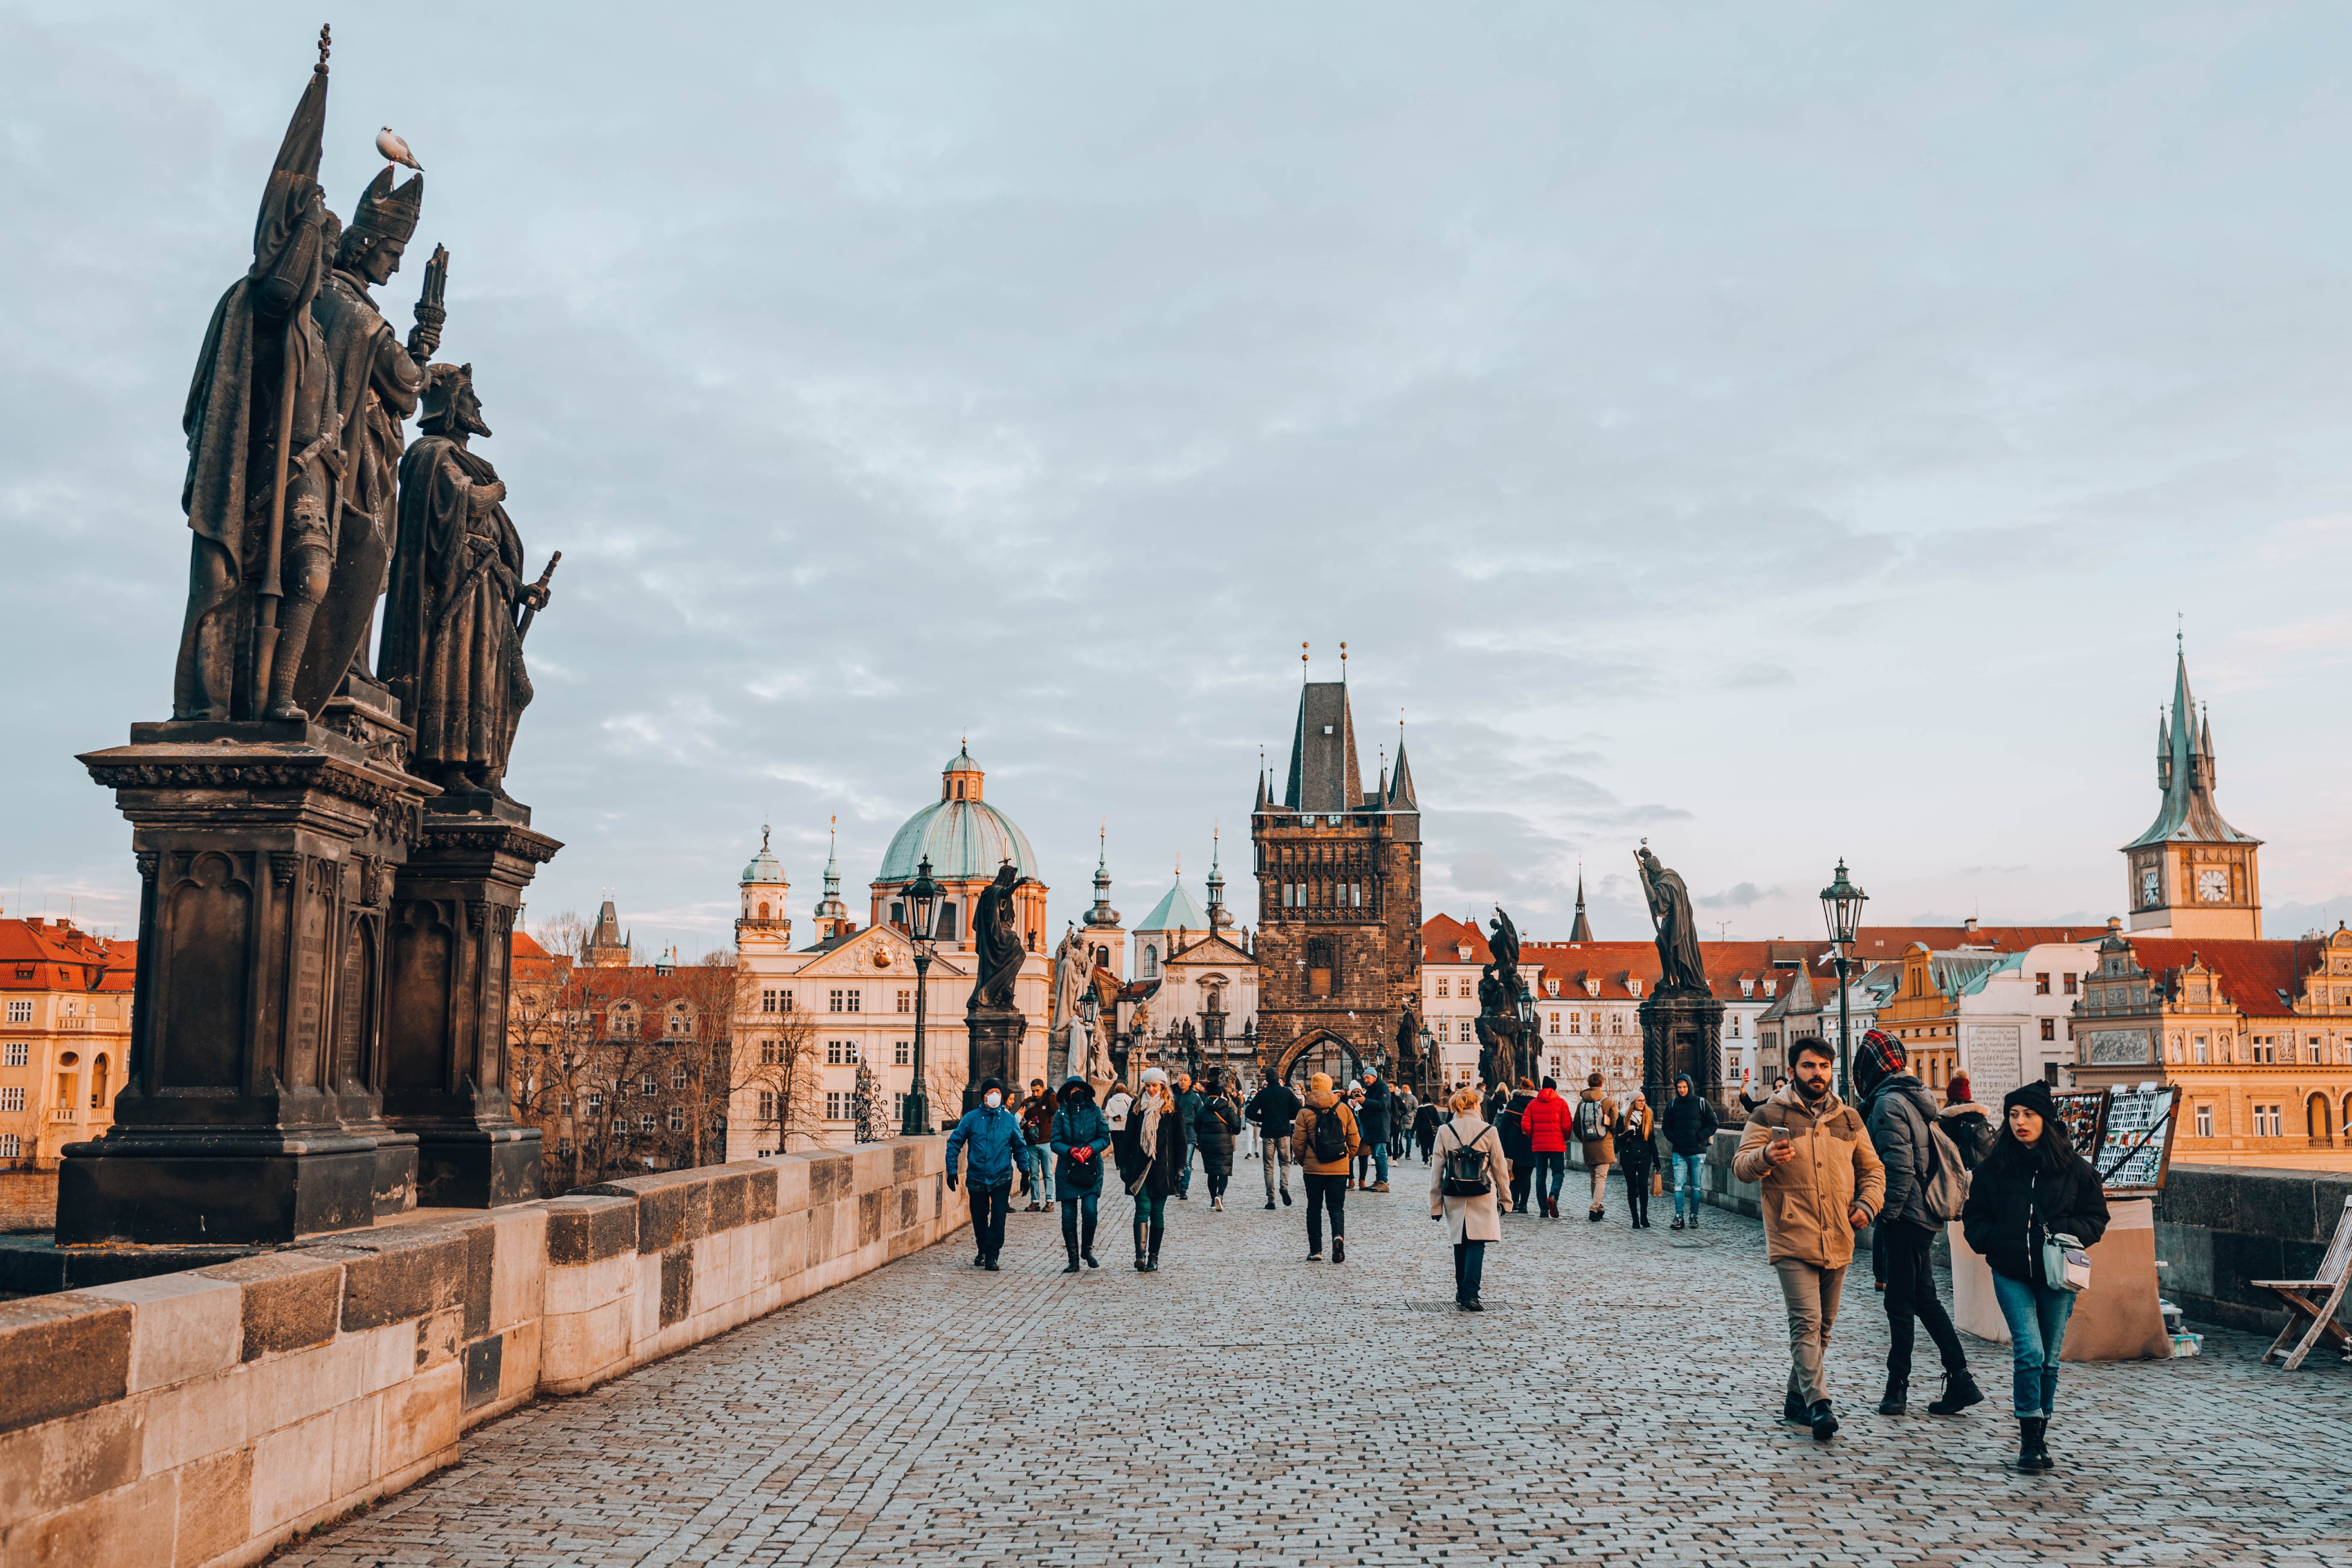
x: 923, y: 904
x: 1842, y: 904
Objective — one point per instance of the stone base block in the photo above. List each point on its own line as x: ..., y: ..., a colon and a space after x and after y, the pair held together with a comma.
x: 163, y: 1199
x: 478, y: 1168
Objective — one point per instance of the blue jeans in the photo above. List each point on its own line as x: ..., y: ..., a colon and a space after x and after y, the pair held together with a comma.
x: 2037, y: 1330
x: 1469, y: 1268
x: 1381, y: 1159
x: 1036, y: 1160
x: 1688, y: 1175
x: 1551, y: 1173
x: 1184, y: 1172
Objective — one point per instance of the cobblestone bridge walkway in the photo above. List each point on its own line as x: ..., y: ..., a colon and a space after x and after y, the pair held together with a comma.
x: 1242, y: 1406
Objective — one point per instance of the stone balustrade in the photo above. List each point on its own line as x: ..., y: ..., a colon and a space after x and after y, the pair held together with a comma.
x: 205, y: 1417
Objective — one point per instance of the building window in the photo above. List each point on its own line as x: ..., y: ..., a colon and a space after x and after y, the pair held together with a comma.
x: 2070, y: 984
x: 1151, y: 961
x: 903, y: 1054
x: 646, y: 1086
x: 944, y: 926
x: 840, y: 1001
x: 2267, y: 1121
x: 2041, y: 985
x: 646, y: 1122
x: 677, y: 1076
x: 12, y: 1098
x: 1443, y: 985
x: 564, y: 1147
x: 20, y: 1012
x: 2049, y: 1028
x: 2204, y: 1121
x: 1322, y: 967
x: 1616, y: 1023
x: 15, y: 1053
x: 677, y: 1118
x: 836, y: 1104
x: 2198, y: 1052
x: 2314, y: 1050
x: 767, y: 1105
x: 1469, y: 1031
x: 906, y: 1000
x: 595, y: 1106
x: 841, y: 1053
x: 773, y: 1001
x: 10, y: 1148
x: 1576, y: 1023
x: 1555, y: 1022
x: 2264, y: 1050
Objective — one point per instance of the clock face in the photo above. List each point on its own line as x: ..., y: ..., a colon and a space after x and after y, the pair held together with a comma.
x: 2147, y: 888
x: 2214, y: 885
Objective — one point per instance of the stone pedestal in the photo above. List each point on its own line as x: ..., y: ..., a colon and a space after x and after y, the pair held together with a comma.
x: 1682, y: 1032
x: 251, y: 1107
x: 453, y: 913
x: 995, y: 1052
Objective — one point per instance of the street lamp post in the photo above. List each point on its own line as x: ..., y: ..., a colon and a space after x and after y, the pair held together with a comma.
x: 923, y: 904
x: 1429, y: 1062
x: 1842, y: 904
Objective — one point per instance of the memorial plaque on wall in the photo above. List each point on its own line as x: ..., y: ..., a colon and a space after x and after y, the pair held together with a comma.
x: 2135, y: 1148
x: 2116, y: 1047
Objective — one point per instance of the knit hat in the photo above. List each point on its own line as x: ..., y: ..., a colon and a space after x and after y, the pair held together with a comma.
x: 1880, y: 1056
x: 987, y: 1083
x: 1153, y: 1075
x: 2034, y: 1095
x: 1957, y: 1091
x: 1321, y: 1080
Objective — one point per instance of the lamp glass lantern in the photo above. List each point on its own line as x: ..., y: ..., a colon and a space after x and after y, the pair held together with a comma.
x: 922, y: 900
x: 1842, y: 904
x: 922, y: 905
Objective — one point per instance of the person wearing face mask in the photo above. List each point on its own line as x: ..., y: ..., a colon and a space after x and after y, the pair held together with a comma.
x: 2032, y: 1187
x: 1149, y: 1153
x: 1821, y: 1182
x: 993, y: 1147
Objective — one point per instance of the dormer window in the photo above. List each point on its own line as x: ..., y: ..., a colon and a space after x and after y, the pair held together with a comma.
x: 1551, y: 987
x: 1592, y: 986
x: 1747, y: 987
x: 1462, y: 949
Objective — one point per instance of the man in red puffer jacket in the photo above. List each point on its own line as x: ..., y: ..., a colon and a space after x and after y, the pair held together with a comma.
x: 1545, y: 1122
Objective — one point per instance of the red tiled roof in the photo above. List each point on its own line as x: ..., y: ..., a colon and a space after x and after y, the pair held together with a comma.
x: 56, y: 955
x: 2253, y: 973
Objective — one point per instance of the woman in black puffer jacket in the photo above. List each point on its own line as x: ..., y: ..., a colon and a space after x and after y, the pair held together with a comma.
x: 2032, y: 1186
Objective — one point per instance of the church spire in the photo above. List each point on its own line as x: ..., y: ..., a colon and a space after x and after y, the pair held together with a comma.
x: 1218, y: 918
x: 1102, y: 916
x: 2185, y: 773
x: 1583, y: 930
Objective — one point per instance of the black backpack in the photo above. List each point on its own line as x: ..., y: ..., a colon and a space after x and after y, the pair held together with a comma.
x: 1329, y: 1139
x: 1465, y: 1170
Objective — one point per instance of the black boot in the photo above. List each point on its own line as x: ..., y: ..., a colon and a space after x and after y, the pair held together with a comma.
x: 2033, y: 1453
x: 1140, y: 1229
x: 1793, y: 1412
x: 1158, y: 1231
x: 1086, y: 1242
x: 1960, y: 1391
x: 1896, y: 1400
x: 1824, y: 1421
x: 1072, y: 1249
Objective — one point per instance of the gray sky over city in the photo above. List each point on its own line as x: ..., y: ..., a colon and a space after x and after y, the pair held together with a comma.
x: 1782, y: 431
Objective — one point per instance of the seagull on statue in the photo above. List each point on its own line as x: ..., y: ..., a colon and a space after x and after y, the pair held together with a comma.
x: 388, y: 142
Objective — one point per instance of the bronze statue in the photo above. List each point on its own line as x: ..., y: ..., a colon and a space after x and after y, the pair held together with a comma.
x: 1681, y: 967
x: 996, y: 941
x: 377, y: 382
x: 452, y: 645
x: 261, y: 423
x: 1505, y: 945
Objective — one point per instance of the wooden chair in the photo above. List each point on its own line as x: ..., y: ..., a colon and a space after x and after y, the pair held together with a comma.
x: 2301, y: 1316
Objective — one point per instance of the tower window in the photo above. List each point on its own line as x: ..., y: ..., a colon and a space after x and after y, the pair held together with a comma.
x: 1322, y: 967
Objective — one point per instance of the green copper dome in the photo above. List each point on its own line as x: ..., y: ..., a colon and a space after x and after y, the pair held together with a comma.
x: 964, y: 838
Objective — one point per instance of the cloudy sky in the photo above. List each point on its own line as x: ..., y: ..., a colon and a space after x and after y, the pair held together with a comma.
x: 1783, y: 431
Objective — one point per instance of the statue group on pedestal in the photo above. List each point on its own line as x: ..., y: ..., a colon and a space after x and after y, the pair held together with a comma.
x: 305, y: 509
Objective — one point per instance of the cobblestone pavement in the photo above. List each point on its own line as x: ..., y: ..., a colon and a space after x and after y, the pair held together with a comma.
x: 1242, y: 1406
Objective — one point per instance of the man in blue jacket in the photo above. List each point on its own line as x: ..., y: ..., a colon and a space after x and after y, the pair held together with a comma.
x: 993, y: 1149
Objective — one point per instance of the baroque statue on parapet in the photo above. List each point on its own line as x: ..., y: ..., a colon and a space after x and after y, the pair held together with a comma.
x: 1680, y: 964
x: 997, y: 941
x: 377, y: 381
x: 263, y: 433
x: 459, y: 605
x: 1505, y: 945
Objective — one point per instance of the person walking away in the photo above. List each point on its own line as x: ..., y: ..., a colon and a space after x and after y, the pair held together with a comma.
x: 1899, y: 1114
x: 989, y: 1138
x: 1188, y: 1105
x: 1544, y: 1124
x: 1037, y: 1129
x: 1425, y: 1130
x: 1115, y: 1108
x: 1690, y: 1123
x: 1464, y: 1190
x: 1154, y: 1143
x: 1511, y: 1126
x: 1374, y: 1117
x: 1323, y: 1140
x: 1595, y: 1114
x: 2034, y: 1196
x: 1401, y: 1124
x: 1274, y: 1111
x: 1215, y: 1121
x: 1081, y: 1136
x: 1637, y: 1157
x: 1965, y: 1122
x: 1821, y: 1182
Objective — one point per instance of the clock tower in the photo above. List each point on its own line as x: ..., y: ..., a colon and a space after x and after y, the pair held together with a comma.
x: 2191, y: 875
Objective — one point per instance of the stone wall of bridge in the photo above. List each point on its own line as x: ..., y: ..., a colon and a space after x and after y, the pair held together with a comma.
x: 205, y: 1418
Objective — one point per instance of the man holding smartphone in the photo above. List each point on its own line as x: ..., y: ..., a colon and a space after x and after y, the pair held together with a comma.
x: 1821, y: 1182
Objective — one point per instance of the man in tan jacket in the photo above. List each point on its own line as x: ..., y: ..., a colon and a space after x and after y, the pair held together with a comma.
x: 1328, y: 1121
x: 1823, y: 1181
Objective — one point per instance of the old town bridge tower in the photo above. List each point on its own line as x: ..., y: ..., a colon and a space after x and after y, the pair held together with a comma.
x: 1338, y: 878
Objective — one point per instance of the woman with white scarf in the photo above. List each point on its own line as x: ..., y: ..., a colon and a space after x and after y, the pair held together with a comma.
x: 1151, y: 1150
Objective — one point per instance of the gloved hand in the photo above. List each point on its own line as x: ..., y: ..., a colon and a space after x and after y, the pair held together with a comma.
x: 950, y: 1181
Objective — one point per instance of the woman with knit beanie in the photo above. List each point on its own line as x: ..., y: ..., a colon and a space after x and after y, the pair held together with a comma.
x: 1154, y: 1151
x: 2031, y: 1188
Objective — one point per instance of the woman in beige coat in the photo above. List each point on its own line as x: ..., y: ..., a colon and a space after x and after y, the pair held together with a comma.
x: 1473, y: 1219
